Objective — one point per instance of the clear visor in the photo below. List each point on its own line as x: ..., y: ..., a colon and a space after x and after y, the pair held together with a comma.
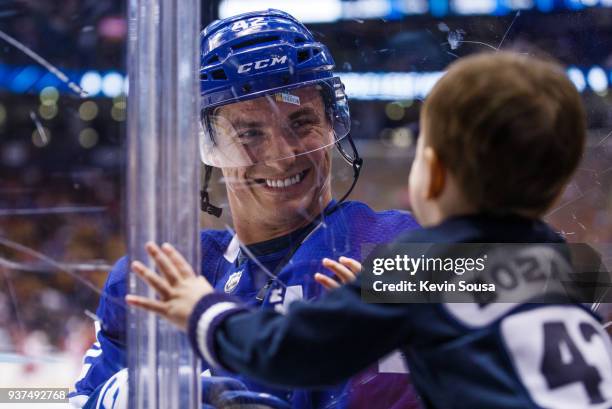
x: 274, y: 126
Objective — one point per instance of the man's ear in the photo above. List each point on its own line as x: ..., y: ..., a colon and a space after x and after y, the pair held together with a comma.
x: 437, y: 173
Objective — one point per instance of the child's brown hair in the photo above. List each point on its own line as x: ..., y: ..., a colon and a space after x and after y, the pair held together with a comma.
x: 510, y: 128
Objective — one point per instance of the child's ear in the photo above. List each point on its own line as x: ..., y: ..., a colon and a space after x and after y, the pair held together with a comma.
x: 437, y: 173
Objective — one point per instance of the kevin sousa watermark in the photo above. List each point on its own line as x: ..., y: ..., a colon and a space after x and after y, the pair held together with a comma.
x: 485, y: 273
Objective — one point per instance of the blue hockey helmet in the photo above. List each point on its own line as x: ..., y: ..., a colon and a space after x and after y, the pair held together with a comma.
x: 270, y: 60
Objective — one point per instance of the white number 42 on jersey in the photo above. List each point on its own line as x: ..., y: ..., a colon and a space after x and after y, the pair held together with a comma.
x: 562, y: 355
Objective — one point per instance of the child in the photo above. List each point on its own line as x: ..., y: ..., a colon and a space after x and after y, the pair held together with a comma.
x: 501, y: 136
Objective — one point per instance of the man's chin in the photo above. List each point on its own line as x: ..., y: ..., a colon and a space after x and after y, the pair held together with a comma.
x: 290, y: 209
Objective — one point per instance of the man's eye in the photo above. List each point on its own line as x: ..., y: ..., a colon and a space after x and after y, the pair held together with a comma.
x: 250, y: 134
x: 302, y: 122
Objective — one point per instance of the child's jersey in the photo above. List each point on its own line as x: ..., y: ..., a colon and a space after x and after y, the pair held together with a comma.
x: 461, y: 355
x: 268, y: 275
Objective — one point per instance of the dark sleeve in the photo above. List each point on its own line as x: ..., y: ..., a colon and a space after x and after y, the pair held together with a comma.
x: 315, y: 344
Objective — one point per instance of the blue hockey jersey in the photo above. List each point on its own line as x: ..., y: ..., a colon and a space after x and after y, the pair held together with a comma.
x: 251, y: 275
x: 462, y: 355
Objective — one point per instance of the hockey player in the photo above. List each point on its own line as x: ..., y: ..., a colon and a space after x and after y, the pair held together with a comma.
x: 272, y: 112
x: 501, y: 136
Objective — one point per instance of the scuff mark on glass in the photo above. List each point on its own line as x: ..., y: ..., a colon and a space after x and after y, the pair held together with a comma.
x: 452, y: 54
x: 13, y: 298
x: 578, y: 222
x: 50, y: 67
x: 41, y: 130
x: 605, y: 171
x: 33, y: 267
x: 580, y: 196
x: 52, y: 210
x: 604, y: 139
x: 471, y: 42
x: 455, y: 38
x: 518, y: 13
x: 57, y: 267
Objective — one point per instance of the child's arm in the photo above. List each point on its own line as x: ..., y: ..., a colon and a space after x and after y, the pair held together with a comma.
x: 315, y: 344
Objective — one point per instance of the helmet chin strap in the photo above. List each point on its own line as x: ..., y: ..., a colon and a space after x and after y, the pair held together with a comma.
x: 205, y: 204
x: 355, y: 161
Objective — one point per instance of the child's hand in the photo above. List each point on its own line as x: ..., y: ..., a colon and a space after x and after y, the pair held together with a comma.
x: 346, y: 271
x: 178, y: 288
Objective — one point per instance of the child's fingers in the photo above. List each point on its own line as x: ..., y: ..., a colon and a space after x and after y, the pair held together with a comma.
x: 344, y: 274
x: 165, y: 265
x: 327, y: 282
x: 145, y: 303
x: 352, y: 264
x: 154, y: 280
x: 179, y: 261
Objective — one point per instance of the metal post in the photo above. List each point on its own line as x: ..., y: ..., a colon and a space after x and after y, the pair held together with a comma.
x: 163, y: 171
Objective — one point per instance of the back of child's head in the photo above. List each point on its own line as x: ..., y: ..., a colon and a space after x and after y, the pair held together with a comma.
x: 509, y: 128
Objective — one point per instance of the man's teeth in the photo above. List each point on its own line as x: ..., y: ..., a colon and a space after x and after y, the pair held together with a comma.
x: 281, y: 183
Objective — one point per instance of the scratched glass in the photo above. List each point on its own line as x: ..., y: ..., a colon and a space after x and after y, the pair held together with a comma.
x: 63, y: 151
x: 62, y: 132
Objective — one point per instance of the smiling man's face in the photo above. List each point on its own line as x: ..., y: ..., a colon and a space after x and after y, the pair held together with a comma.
x: 287, y: 138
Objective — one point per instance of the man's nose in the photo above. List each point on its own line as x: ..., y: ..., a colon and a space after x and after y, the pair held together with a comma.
x: 283, y: 149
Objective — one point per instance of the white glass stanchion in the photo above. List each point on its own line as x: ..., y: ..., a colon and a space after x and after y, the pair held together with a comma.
x: 162, y: 200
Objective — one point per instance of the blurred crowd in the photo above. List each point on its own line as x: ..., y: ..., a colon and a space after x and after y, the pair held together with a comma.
x: 58, y: 239
x: 69, y: 33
